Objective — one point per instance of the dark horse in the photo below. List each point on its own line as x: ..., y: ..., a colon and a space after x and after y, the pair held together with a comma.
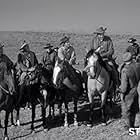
x: 48, y: 91
x: 69, y: 85
x: 7, y: 94
x: 40, y: 92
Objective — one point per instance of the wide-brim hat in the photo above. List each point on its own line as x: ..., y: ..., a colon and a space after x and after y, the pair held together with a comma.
x: 127, y: 56
x: 132, y: 40
x: 100, y: 30
x: 56, y: 48
x: 47, y: 46
x: 23, y: 46
x: 1, y: 45
x: 64, y: 40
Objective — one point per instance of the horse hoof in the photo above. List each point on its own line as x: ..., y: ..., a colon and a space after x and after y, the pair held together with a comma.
x: 1, y: 126
x: 76, y: 124
x: 18, y: 123
x: 66, y: 125
x: 104, y: 124
x: 45, y: 130
x: 32, y: 131
x: 12, y: 125
x: 6, y: 138
x: 89, y: 125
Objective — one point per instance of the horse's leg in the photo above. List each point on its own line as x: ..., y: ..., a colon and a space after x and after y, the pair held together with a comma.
x: 12, y: 118
x: 53, y: 113
x: 50, y: 115
x: 60, y: 108
x: 33, y: 117
x: 6, y: 125
x: 75, y: 112
x: 111, y: 106
x: 103, y: 106
x: 66, y: 114
x: 0, y: 121
x: 17, y: 116
x: 91, y: 101
x: 44, y: 118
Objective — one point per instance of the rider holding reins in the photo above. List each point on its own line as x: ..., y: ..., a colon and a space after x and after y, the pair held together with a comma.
x: 104, y: 46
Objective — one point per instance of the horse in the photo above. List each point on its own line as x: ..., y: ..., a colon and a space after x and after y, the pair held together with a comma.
x: 7, y: 94
x: 98, y: 83
x: 41, y: 92
x: 69, y: 86
x: 49, y: 93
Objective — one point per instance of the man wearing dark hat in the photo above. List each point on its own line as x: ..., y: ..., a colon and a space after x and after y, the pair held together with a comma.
x: 130, y: 77
x: 134, y: 48
x: 66, y: 51
x: 104, y: 46
x: 49, y: 57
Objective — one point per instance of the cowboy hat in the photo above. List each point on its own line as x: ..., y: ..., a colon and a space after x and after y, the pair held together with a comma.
x: 127, y: 56
x: 48, y: 45
x: 64, y: 40
x: 1, y: 45
x: 132, y: 40
x: 100, y: 30
x: 24, y: 45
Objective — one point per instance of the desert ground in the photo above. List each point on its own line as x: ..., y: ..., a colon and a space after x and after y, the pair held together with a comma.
x: 113, y: 131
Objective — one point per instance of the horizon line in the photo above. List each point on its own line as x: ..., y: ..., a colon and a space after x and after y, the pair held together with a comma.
x: 71, y: 31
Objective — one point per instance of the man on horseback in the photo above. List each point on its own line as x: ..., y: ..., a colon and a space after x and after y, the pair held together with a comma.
x: 134, y: 48
x: 104, y: 46
x: 27, y: 61
x: 48, y: 59
x: 66, y: 51
x: 130, y: 77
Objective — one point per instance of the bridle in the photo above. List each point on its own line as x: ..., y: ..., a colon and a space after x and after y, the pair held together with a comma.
x: 5, y: 91
x: 96, y: 72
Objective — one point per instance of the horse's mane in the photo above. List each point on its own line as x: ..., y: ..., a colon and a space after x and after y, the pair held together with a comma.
x: 100, y: 60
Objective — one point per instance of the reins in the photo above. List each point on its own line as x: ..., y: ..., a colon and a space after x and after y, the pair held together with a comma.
x: 6, y: 91
x: 96, y: 76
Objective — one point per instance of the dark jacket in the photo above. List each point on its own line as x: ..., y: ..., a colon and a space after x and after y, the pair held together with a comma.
x: 134, y: 49
x: 106, y: 46
x: 4, y: 58
x: 27, y: 60
x: 130, y: 76
x: 49, y: 58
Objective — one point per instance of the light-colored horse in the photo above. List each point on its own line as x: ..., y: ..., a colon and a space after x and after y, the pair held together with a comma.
x: 98, y: 83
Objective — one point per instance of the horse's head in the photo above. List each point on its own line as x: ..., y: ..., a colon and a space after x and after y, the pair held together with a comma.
x: 94, y: 60
x: 60, y: 72
x: 9, y: 80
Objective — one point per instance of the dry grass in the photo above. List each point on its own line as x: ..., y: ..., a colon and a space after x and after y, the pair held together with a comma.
x: 113, y: 131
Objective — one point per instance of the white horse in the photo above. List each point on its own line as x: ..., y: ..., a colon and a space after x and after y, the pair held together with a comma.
x: 99, y: 83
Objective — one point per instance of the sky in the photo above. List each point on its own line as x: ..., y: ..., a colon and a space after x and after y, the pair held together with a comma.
x: 119, y: 16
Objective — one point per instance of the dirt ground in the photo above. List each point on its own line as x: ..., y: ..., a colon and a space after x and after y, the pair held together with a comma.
x: 56, y: 131
x: 113, y: 131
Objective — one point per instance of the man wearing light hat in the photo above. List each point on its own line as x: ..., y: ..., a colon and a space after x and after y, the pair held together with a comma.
x: 130, y: 76
x: 27, y: 61
x: 48, y: 59
x: 104, y: 46
x: 66, y: 51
